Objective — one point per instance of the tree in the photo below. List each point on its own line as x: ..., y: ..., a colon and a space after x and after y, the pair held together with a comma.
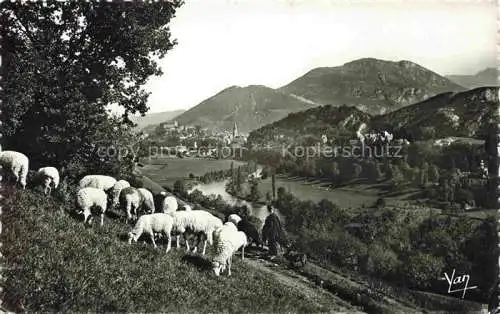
x: 255, y: 194
x: 424, y: 174
x: 273, y: 182
x: 335, y: 173
x: 239, y: 178
x: 66, y: 62
x: 434, y: 173
x: 179, y: 187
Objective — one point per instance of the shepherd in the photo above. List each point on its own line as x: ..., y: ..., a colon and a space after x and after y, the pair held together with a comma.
x: 272, y: 232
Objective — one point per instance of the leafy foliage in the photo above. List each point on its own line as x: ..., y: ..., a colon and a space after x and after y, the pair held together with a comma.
x: 66, y: 62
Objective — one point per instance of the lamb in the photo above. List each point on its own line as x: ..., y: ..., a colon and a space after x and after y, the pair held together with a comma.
x: 151, y: 224
x: 130, y: 200
x: 97, y: 181
x: 49, y: 176
x: 15, y: 164
x: 88, y: 197
x: 199, y: 222
x: 227, y: 240
x: 117, y: 188
x: 147, y: 200
x: 169, y: 204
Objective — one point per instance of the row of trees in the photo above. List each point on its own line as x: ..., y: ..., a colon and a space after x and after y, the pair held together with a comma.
x: 401, y: 247
x: 63, y: 63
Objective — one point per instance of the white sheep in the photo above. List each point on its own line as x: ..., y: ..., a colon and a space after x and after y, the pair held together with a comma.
x: 117, y: 188
x: 88, y: 197
x: 130, y: 200
x: 147, y: 201
x: 187, y: 207
x: 15, y: 164
x: 198, y: 222
x: 169, y: 204
x: 97, y: 181
x: 234, y: 218
x: 151, y: 224
x: 227, y: 240
x: 49, y: 177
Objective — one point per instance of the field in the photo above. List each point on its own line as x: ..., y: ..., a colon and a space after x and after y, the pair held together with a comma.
x: 59, y: 265
x: 166, y: 171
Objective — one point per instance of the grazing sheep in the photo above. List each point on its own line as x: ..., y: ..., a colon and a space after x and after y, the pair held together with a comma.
x: 147, y: 200
x: 14, y: 165
x: 234, y: 218
x: 227, y: 240
x: 97, y: 181
x: 117, y: 188
x: 49, y: 177
x: 151, y: 224
x: 169, y: 204
x: 198, y: 222
x: 88, y: 197
x: 250, y: 230
x: 130, y: 200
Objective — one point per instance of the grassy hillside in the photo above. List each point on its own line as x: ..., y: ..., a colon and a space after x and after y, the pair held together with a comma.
x: 373, y: 85
x: 250, y: 107
x: 58, y: 265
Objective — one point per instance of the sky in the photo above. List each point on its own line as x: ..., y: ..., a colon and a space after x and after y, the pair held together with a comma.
x: 272, y: 42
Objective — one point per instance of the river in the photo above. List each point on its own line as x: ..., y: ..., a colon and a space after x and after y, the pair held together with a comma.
x: 219, y: 188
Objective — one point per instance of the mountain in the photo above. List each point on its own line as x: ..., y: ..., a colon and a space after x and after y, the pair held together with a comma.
x: 155, y: 118
x: 372, y: 85
x: 487, y: 77
x: 314, y: 122
x: 456, y: 114
x: 464, y: 114
x: 250, y: 107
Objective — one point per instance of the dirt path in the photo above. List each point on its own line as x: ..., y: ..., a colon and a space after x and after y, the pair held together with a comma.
x: 298, y: 282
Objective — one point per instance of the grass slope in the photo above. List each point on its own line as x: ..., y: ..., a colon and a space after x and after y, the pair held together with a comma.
x: 54, y: 263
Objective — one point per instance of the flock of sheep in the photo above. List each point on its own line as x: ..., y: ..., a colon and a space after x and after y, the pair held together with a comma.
x: 97, y: 193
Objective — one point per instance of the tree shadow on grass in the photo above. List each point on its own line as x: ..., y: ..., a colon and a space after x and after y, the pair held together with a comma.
x: 200, y: 262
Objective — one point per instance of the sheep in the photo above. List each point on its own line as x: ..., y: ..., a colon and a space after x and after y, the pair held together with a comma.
x: 97, y: 181
x: 147, y: 200
x: 186, y: 207
x: 247, y: 227
x: 227, y: 240
x: 49, y: 176
x: 130, y: 200
x: 169, y: 204
x: 88, y: 197
x: 117, y: 188
x: 234, y: 218
x: 15, y: 164
x: 250, y: 230
x: 151, y: 224
x: 199, y: 222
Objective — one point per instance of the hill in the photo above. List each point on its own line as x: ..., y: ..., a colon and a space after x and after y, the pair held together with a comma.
x: 250, y: 107
x: 152, y: 119
x: 372, y: 85
x: 464, y: 114
x: 314, y: 122
x: 487, y: 77
x: 59, y: 265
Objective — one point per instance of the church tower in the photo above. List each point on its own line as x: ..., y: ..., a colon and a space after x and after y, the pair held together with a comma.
x: 235, y: 130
